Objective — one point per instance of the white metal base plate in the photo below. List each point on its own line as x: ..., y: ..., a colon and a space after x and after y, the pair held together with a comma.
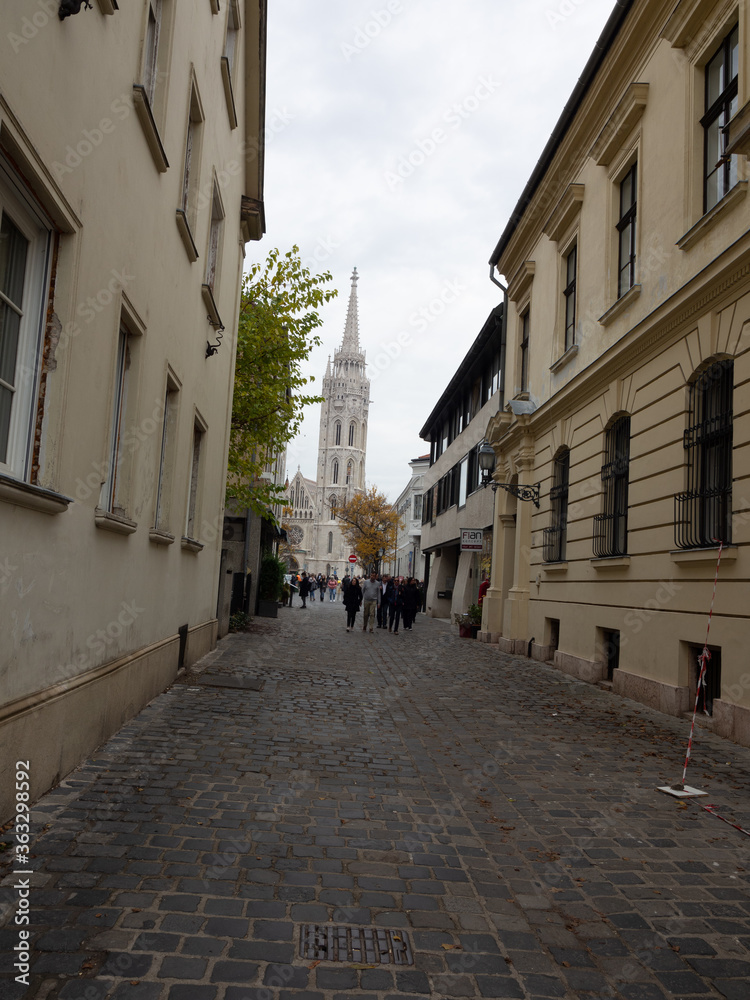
x: 681, y: 791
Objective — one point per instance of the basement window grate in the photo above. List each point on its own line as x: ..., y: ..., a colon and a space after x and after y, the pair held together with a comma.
x: 365, y: 945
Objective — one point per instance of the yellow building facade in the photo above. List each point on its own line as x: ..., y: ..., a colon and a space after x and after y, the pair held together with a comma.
x: 131, y: 177
x: 627, y: 263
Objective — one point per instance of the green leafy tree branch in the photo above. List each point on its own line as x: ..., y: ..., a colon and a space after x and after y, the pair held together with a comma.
x: 277, y: 323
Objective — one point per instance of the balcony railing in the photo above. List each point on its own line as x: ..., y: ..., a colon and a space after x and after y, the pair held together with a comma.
x: 553, y: 548
x: 610, y: 535
x: 702, y: 518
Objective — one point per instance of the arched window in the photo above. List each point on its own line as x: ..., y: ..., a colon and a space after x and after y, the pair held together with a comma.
x: 330, y: 541
x: 352, y: 432
x: 337, y: 433
x: 611, y: 527
x: 335, y: 469
x: 554, y: 536
x: 703, y: 513
x: 349, y: 471
x: 333, y: 503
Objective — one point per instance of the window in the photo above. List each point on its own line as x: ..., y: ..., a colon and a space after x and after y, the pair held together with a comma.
x: 337, y: 427
x: 214, y: 240
x: 555, y: 535
x: 524, y: 351
x: 229, y: 59
x: 335, y: 471
x: 445, y: 433
x: 193, y: 511
x: 611, y: 527
x: 166, y: 457
x: 417, y: 506
x: 151, y: 61
x: 330, y: 541
x: 352, y: 432
x: 24, y: 276
x: 190, y: 177
x: 571, y: 263
x: 333, y: 504
x: 495, y: 373
x: 473, y: 470
x: 703, y: 513
x: 463, y: 481
x: 720, y: 171
x: 111, y: 491
x: 626, y: 231
x: 349, y: 472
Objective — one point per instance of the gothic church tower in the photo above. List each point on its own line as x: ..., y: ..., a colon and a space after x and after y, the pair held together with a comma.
x: 342, y: 444
x: 314, y: 532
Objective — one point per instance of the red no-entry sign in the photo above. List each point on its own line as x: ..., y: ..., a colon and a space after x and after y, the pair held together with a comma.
x: 352, y: 558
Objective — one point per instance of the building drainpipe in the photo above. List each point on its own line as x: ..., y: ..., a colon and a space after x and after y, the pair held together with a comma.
x: 503, y: 330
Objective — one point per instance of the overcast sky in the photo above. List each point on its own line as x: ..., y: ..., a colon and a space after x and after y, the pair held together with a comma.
x: 400, y: 136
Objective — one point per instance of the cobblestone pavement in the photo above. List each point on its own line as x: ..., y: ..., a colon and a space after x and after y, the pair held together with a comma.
x: 498, y: 818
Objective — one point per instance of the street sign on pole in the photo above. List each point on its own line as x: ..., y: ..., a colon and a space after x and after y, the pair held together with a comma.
x: 352, y: 558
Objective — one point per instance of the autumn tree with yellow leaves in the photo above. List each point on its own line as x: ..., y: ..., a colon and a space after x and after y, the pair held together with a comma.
x: 369, y: 523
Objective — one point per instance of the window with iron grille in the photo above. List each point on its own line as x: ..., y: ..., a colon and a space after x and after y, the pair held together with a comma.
x: 555, y: 535
x: 720, y: 172
x: 703, y: 513
x: 626, y: 230
x: 571, y: 262
x: 611, y: 527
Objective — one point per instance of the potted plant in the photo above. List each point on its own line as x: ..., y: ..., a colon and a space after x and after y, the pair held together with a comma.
x: 469, y: 622
x: 270, y: 583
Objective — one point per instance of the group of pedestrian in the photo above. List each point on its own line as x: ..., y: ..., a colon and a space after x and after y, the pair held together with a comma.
x: 388, y: 601
x: 309, y: 585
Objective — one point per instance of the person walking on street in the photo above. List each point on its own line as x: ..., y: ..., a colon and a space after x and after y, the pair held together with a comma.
x: 331, y: 588
x: 352, y: 602
x: 321, y: 585
x: 383, y: 608
x: 371, y: 595
x: 304, y: 589
x: 411, y: 603
x: 397, y: 607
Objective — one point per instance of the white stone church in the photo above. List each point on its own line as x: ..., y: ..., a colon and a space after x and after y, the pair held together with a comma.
x: 314, y: 534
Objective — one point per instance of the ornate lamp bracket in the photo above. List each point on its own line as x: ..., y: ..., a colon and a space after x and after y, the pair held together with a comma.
x: 520, y: 492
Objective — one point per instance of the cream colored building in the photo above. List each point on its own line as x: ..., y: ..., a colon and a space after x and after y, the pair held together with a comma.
x: 628, y: 341
x: 408, y: 558
x: 131, y: 177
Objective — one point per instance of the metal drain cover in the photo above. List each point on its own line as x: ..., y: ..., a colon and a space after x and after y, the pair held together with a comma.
x: 231, y: 681
x: 365, y: 945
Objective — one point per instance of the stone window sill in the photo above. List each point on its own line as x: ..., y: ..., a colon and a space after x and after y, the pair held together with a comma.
x: 160, y: 537
x: 558, y: 567
x: 226, y: 76
x: 146, y: 118
x: 623, y: 303
x: 22, y: 494
x: 191, y: 544
x: 564, y: 359
x: 108, y: 521
x: 610, y: 562
x: 700, y: 557
x: 709, y: 220
x: 183, y: 227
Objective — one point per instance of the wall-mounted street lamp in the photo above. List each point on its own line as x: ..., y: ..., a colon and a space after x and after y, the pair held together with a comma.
x: 68, y: 7
x: 487, y: 466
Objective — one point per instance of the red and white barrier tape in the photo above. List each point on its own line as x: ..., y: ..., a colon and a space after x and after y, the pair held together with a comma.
x: 702, y: 660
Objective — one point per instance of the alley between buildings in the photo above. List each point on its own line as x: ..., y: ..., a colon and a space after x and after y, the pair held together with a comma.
x: 498, y: 818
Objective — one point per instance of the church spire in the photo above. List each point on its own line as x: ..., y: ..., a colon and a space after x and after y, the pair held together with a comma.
x: 350, y: 343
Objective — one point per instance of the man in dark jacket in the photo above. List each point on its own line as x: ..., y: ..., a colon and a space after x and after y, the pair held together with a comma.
x: 304, y: 589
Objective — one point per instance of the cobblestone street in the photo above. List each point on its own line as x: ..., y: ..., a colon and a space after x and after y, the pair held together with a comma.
x: 497, y: 817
